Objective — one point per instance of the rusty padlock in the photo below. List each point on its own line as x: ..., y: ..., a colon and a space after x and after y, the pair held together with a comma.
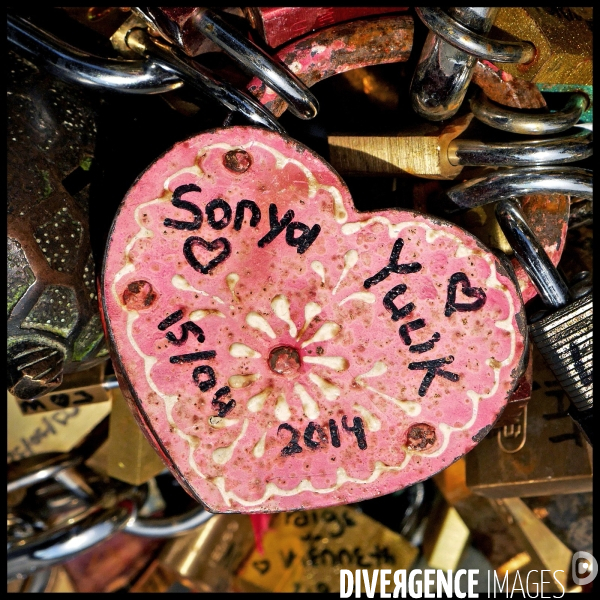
x: 256, y: 318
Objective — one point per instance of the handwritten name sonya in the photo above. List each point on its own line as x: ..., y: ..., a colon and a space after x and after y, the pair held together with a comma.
x: 219, y: 215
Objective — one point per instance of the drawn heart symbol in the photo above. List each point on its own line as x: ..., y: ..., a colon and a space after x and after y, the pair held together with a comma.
x: 471, y: 292
x: 301, y: 392
x: 262, y: 566
x: 192, y: 242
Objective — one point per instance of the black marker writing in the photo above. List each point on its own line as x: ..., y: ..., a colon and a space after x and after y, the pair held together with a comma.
x: 188, y: 358
x: 223, y: 408
x: 307, y: 236
x: 192, y: 242
x: 209, y: 382
x: 239, y: 214
x: 433, y: 368
x: 335, y: 433
x: 179, y: 203
x: 276, y: 226
x: 309, y: 433
x: 471, y: 292
x: 293, y: 447
x: 212, y: 207
x: 388, y: 302
x: 357, y: 429
x: 414, y: 326
x: 393, y: 266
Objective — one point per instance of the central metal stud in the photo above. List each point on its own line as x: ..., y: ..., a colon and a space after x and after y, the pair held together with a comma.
x: 284, y: 360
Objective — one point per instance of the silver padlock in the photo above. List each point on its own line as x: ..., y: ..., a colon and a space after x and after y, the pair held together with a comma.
x: 562, y: 334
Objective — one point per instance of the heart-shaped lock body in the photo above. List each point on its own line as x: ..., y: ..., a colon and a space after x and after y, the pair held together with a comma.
x: 284, y: 351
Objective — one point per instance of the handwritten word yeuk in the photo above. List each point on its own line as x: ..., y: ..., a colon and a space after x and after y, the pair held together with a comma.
x: 433, y: 367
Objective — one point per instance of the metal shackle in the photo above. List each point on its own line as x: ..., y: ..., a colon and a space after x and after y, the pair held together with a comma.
x: 201, y: 80
x: 163, y: 70
x: 563, y: 335
x: 167, y: 527
x: 547, y: 151
x: 513, y: 183
x: 302, y: 102
x: 500, y: 117
x: 450, y: 53
x: 75, y: 66
x: 54, y: 545
x: 551, y: 287
x: 58, y: 544
x: 37, y: 473
x: 461, y: 37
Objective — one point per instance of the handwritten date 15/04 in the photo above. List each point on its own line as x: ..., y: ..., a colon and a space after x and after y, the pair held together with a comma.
x: 315, y: 436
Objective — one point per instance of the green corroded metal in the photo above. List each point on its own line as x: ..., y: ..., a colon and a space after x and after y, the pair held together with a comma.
x: 55, y: 311
x: 60, y: 239
x: 89, y: 339
x: 89, y: 278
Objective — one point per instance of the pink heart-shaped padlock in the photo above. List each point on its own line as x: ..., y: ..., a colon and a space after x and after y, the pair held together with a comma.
x: 282, y: 350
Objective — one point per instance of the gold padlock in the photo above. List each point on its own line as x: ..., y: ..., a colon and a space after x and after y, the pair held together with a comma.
x: 547, y: 456
x: 421, y: 151
x: 204, y: 560
x: 543, y: 552
x: 57, y: 431
x: 562, y: 38
x: 305, y: 551
x: 513, y: 538
x: 126, y: 455
x: 446, y: 537
x: 489, y: 531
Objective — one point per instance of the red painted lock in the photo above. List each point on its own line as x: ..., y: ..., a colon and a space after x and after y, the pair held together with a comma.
x: 284, y: 351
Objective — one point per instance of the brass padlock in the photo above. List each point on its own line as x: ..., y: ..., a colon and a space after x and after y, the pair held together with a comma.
x: 57, y: 431
x: 305, y: 551
x: 204, y: 560
x: 543, y: 551
x: 548, y: 455
x: 420, y: 151
x: 562, y: 38
x: 513, y: 537
x: 446, y: 537
x: 126, y: 455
